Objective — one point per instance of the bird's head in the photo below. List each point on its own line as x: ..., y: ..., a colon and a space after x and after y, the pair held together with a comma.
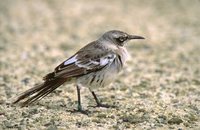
x: 119, y: 37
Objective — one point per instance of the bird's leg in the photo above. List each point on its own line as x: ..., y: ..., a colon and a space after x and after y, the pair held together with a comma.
x: 99, y: 104
x: 96, y: 99
x: 79, y: 98
x: 79, y: 101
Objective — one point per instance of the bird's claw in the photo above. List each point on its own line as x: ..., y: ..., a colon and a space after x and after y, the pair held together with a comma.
x: 104, y: 106
x: 85, y: 112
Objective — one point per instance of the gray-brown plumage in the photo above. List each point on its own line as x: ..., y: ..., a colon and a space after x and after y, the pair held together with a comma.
x: 95, y: 65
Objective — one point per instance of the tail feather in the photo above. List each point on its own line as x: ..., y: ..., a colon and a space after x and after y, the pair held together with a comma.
x: 39, y: 91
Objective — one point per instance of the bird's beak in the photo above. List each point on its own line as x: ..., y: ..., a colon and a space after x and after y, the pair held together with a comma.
x: 130, y: 37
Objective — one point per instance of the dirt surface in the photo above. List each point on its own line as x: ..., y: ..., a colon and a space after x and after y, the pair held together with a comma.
x: 158, y: 89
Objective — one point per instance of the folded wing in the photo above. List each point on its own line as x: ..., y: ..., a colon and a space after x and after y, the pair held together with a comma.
x: 82, y: 63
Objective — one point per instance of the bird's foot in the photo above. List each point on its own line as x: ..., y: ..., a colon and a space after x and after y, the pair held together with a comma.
x: 80, y: 110
x: 104, y: 105
x: 85, y: 112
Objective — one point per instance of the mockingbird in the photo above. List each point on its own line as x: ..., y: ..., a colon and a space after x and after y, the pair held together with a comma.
x: 95, y: 65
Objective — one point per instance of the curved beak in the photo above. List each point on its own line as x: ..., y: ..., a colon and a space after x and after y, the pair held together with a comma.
x: 130, y: 37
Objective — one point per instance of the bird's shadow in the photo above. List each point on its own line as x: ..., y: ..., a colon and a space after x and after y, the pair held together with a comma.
x: 69, y: 107
x: 87, y: 111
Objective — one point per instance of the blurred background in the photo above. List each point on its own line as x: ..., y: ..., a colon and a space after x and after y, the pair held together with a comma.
x: 159, y: 88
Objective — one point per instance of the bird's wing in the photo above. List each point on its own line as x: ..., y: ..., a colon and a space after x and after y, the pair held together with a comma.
x: 86, y: 60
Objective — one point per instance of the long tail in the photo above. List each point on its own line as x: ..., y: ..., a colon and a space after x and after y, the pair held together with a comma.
x: 39, y: 91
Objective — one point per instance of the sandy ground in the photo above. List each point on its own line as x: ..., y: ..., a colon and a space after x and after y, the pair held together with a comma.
x: 158, y: 89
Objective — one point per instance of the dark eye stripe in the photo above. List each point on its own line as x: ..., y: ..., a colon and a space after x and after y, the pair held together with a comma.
x: 122, y: 39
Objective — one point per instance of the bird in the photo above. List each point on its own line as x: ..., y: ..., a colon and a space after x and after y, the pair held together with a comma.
x: 96, y: 65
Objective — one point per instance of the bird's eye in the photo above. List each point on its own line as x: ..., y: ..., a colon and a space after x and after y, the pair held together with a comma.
x: 122, y: 38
